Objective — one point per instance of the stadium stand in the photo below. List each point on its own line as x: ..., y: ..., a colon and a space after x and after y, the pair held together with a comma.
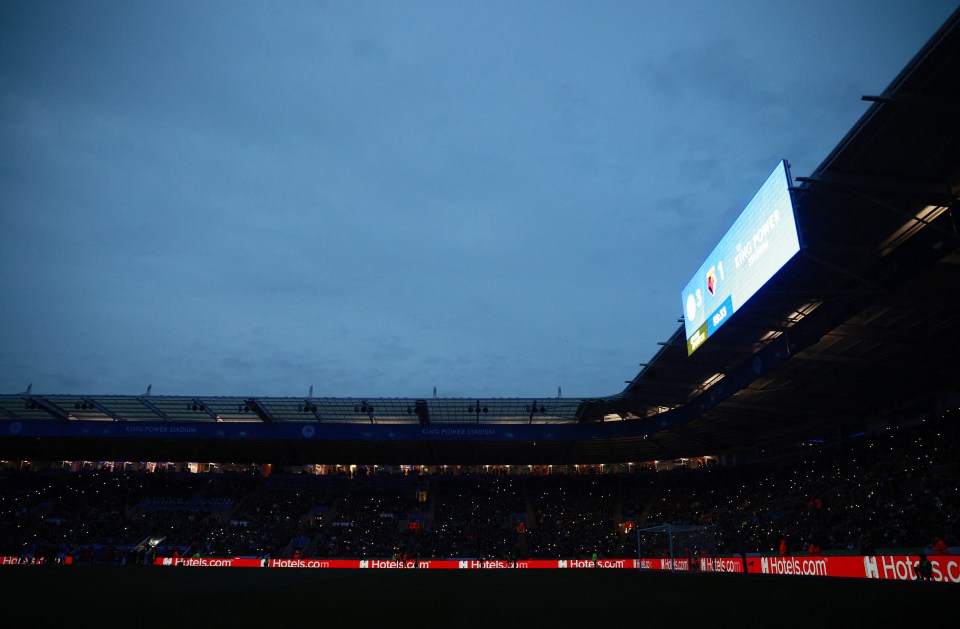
x: 824, y: 416
x: 892, y: 492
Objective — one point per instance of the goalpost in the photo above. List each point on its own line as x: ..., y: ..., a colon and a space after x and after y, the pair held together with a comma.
x: 681, y: 544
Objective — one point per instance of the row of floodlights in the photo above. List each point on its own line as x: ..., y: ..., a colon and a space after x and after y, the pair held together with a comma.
x: 307, y: 407
x: 79, y: 405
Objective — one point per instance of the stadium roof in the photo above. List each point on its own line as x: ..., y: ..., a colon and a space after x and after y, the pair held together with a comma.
x: 866, y: 314
x: 859, y: 327
x: 365, y: 412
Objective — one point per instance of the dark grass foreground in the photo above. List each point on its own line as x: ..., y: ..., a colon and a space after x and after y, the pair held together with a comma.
x: 40, y: 596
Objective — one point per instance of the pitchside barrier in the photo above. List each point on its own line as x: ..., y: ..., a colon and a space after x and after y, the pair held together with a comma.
x: 946, y: 568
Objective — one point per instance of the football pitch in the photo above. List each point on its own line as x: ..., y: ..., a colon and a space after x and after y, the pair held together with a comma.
x: 155, y: 596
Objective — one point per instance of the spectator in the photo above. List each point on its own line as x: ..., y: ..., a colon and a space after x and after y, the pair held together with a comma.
x: 939, y: 546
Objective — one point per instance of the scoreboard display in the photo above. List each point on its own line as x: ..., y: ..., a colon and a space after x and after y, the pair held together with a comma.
x: 762, y: 239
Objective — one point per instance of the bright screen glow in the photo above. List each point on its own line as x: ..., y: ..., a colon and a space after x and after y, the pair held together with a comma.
x: 759, y: 243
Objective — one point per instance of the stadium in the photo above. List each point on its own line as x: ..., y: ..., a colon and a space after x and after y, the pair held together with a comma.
x: 798, y: 429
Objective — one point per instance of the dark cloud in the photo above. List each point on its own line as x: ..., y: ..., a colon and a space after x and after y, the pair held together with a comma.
x: 493, y: 198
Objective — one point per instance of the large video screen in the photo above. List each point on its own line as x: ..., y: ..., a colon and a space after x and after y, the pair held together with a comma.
x: 761, y: 240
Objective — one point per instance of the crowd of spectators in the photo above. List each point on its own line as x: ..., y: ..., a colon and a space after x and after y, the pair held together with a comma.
x: 894, y: 489
x: 369, y: 516
x: 574, y: 518
x: 476, y: 516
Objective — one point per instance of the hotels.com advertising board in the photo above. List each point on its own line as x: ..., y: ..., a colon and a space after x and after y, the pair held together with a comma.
x: 946, y: 568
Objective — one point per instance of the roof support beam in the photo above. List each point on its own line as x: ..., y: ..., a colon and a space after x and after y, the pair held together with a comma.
x: 259, y: 410
x: 926, y: 99
x: 659, y: 382
x: 153, y: 407
x: 48, y: 406
x: 931, y: 192
x: 839, y: 269
x: 103, y: 409
x: 204, y: 407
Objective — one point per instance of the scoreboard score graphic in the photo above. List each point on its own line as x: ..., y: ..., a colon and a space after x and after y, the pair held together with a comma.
x: 762, y: 239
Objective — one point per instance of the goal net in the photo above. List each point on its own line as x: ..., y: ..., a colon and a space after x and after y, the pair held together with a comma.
x: 682, y: 545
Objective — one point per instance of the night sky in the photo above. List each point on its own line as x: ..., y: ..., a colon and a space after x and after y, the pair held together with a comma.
x: 374, y: 198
